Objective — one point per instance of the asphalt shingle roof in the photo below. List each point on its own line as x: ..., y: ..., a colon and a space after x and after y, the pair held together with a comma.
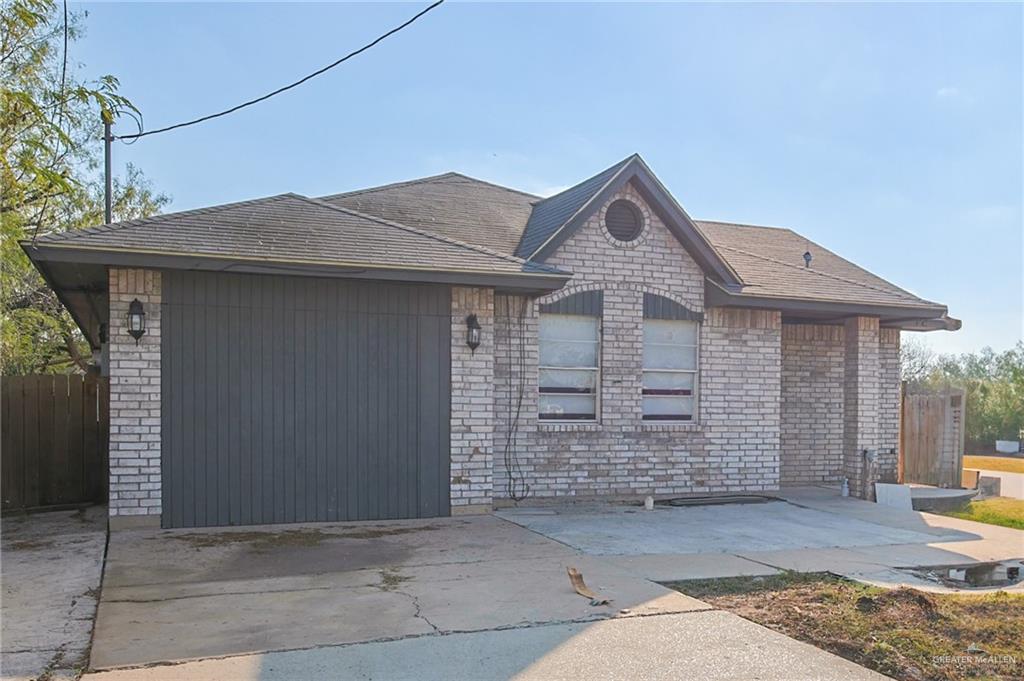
x: 458, y: 223
x: 293, y: 228
x: 453, y: 205
x: 770, y: 262
x: 553, y: 212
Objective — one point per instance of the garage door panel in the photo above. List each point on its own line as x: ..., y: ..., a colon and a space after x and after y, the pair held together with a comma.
x: 290, y: 399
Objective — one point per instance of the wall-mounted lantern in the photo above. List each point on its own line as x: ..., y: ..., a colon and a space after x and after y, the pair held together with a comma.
x: 136, y: 320
x: 472, y: 332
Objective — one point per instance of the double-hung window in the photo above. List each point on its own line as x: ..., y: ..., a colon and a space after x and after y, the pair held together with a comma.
x: 570, y: 352
x: 669, y: 361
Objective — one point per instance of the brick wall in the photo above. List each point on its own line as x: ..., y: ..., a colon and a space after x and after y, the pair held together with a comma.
x: 472, y: 402
x: 861, y: 392
x: 734, y: 444
x: 812, y: 404
x: 889, y: 402
x: 134, y: 397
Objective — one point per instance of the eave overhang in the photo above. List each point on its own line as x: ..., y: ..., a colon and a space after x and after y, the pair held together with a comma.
x: 796, y: 310
x: 78, y: 275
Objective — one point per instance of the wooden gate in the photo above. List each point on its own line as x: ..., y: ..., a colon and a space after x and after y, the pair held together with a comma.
x: 54, y: 441
x: 932, y: 438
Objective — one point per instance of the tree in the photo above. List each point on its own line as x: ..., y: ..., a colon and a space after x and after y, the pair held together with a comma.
x: 50, y: 180
x: 993, y: 383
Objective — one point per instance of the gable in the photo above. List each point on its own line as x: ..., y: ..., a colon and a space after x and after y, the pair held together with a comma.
x: 654, y: 260
x: 556, y: 218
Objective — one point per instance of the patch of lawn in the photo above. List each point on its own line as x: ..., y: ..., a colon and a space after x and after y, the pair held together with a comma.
x: 995, y: 463
x: 1002, y: 511
x: 903, y: 633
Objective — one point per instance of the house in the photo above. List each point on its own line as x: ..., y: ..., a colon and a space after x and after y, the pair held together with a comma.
x: 445, y: 345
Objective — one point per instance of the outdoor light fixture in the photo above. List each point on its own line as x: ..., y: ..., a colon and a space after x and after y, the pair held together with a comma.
x: 472, y: 332
x: 807, y: 258
x: 136, y: 320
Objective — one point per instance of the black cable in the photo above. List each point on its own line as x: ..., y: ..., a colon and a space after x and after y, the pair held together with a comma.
x: 286, y: 87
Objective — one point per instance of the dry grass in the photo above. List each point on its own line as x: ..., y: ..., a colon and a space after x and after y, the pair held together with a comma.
x: 903, y: 633
x: 1002, y: 511
x: 995, y: 463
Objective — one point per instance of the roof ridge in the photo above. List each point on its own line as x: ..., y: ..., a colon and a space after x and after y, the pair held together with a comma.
x: 389, y: 185
x: 421, y: 180
x: 124, y: 224
x: 422, y: 232
x: 822, y: 274
x: 496, y: 185
x: 746, y: 224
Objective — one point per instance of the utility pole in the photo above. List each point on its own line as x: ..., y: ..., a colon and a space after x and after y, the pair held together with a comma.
x: 107, y: 182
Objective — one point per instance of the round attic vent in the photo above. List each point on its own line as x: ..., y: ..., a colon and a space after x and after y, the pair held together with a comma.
x: 624, y: 220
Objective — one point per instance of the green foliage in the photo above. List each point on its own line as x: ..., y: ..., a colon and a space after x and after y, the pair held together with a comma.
x: 994, y: 384
x: 50, y: 136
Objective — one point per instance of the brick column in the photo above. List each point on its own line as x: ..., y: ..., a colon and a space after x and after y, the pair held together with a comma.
x: 134, y: 401
x: 861, y: 393
x: 472, y: 406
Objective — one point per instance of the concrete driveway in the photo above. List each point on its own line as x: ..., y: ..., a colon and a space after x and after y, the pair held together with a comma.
x: 473, y: 597
x: 487, y: 597
x: 51, y: 569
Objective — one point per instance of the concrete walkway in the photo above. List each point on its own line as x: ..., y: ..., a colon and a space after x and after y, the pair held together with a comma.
x: 701, y: 645
x: 51, y: 569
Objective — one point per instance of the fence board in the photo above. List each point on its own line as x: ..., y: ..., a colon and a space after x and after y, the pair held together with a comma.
x: 932, y: 439
x: 54, y: 441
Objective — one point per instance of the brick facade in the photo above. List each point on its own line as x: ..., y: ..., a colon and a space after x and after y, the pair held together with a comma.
x: 733, y: 445
x: 472, y: 402
x: 812, y: 403
x: 777, y: 403
x: 134, y: 398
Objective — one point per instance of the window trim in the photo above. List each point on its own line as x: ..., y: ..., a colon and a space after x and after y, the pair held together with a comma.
x: 670, y: 419
x: 598, y: 342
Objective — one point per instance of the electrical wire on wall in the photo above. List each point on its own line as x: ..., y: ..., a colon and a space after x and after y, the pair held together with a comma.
x: 516, y: 486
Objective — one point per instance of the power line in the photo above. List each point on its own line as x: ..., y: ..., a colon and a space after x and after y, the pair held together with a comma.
x: 286, y: 87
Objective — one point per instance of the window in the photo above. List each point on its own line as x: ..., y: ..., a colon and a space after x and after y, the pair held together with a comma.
x: 670, y: 369
x: 569, y: 353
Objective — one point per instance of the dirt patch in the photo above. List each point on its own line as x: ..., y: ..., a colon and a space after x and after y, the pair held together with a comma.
x: 391, y: 579
x: 29, y: 544
x: 903, y: 633
x: 258, y: 541
x: 306, y: 537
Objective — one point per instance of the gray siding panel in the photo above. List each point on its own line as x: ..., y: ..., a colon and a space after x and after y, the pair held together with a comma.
x: 292, y: 399
x: 589, y: 303
x: 659, y: 307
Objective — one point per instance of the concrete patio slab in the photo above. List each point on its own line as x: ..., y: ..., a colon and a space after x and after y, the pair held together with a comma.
x: 699, y: 645
x: 773, y: 526
x: 51, y: 570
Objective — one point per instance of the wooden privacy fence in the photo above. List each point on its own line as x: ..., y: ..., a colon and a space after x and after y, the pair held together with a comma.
x: 54, y: 440
x: 932, y: 438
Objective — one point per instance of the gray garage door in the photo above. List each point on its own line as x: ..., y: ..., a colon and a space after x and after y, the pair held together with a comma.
x: 293, y: 399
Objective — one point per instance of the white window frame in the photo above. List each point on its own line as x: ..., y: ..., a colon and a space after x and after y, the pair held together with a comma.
x: 695, y: 372
x: 596, y: 369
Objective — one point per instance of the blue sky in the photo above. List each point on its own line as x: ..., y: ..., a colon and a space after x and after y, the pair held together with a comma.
x: 891, y: 134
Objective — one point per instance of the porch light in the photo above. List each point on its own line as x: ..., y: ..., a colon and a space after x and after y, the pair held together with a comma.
x: 472, y: 332
x: 136, y: 320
